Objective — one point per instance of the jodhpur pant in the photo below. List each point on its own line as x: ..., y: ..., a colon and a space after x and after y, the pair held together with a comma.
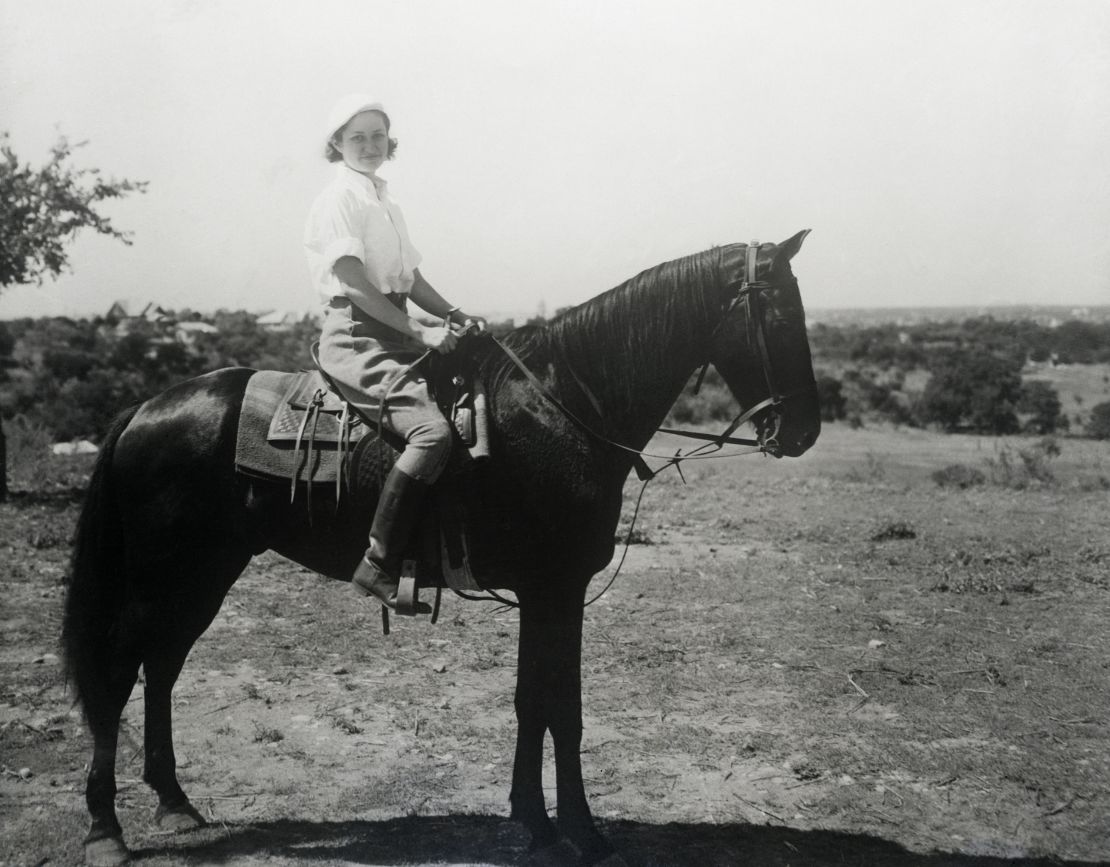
x: 367, y: 360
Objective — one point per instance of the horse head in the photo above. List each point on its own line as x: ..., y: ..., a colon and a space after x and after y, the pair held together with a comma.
x: 763, y: 332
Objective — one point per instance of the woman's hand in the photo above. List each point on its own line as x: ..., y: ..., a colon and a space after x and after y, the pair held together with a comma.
x: 442, y: 340
x: 468, y: 323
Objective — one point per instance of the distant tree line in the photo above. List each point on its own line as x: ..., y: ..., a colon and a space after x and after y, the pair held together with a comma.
x: 1073, y: 341
x: 70, y: 377
x: 972, y: 369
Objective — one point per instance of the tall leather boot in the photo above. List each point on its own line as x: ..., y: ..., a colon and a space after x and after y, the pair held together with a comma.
x: 378, y: 574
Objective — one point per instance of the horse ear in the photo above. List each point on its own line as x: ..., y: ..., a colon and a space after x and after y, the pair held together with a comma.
x: 788, y: 248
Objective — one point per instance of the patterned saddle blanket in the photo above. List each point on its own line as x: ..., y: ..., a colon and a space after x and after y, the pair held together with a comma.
x: 292, y: 427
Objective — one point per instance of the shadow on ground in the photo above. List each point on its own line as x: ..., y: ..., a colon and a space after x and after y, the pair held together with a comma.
x: 495, y: 840
x: 60, y: 497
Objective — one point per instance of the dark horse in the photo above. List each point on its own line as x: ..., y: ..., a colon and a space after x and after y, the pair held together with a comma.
x: 169, y: 524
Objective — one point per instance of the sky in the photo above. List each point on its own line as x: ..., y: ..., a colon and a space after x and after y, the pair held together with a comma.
x: 950, y: 153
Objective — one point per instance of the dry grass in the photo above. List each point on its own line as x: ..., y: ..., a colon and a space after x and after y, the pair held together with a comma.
x: 831, y: 660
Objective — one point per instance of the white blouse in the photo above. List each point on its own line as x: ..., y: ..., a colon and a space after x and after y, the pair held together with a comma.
x: 354, y: 216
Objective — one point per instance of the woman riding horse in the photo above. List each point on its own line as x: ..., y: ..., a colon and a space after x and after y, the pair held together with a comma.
x: 169, y: 524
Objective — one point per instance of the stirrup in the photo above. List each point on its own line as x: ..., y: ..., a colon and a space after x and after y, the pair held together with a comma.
x: 406, y: 601
x: 408, y: 596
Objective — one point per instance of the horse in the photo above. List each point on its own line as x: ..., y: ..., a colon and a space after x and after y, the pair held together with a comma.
x: 169, y: 524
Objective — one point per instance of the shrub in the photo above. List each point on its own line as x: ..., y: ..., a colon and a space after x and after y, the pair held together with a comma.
x: 28, y: 449
x: 1041, y: 403
x: 830, y: 394
x: 713, y: 402
x: 893, y: 531
x: 1098, y: 426
x: 873, y: 471
x: 1019, y: 468
x: 959, y: 476
x: 975, y: 389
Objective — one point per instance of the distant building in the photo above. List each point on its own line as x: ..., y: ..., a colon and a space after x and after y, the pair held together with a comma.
x: 76, y: 447
x: 186, y: 332
x: 118, y: 311
x: 279, y: 320
x: 123, y: 319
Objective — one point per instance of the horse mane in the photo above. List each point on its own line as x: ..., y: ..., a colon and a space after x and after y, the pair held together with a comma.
x: 625, y: 326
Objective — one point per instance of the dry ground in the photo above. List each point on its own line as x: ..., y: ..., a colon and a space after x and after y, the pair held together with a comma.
x: 824, y: 661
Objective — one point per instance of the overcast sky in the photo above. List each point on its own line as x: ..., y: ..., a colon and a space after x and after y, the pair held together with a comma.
x: 955, y: 152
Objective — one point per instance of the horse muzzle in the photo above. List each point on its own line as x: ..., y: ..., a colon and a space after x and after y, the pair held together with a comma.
x: 785, y: 434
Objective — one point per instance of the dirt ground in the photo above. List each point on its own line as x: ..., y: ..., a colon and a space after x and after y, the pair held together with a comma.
x: 823, y: 661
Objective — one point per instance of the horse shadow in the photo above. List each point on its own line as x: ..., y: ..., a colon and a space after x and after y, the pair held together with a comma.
x: 495, y: 840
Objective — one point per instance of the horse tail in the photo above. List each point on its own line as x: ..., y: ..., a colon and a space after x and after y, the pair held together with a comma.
x: 96, y: 576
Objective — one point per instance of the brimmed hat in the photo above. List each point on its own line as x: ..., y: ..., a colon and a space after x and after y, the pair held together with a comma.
x: 346, y: 108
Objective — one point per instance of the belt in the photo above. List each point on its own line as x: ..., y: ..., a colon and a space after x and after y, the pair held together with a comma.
x: 371, y: 327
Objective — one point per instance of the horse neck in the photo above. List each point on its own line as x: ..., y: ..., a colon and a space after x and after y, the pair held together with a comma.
x: 635, y: 347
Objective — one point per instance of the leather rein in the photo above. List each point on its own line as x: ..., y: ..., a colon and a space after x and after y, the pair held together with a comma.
x: 748, y: 294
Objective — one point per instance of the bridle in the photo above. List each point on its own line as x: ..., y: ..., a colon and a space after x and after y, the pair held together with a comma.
x: 749, y: 295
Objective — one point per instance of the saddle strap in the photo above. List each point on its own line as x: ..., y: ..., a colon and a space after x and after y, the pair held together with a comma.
x: 311, y: 414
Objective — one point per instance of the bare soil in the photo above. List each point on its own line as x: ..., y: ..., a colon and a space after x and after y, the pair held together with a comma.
x: 825, y: 661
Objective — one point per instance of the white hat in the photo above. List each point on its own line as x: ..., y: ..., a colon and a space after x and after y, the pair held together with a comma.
x: 346, y: 108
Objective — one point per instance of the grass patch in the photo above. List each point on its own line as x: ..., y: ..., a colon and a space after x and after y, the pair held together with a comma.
x: 872, y: 471
x: 959, y: 476
x: 893, y: 531
x: 1021, y: 467
x: 264, y: 734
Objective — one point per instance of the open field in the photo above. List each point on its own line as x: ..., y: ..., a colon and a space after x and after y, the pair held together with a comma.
x: 830, y: 660
x: 1080, y: 386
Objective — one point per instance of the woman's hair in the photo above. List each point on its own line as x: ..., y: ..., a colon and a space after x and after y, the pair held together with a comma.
x: 332, y: 153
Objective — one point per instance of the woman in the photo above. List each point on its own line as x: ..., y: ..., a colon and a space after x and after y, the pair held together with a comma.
x: 365, y: 269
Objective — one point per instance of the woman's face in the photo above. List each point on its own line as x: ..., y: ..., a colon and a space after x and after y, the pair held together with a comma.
x: 364, y: 142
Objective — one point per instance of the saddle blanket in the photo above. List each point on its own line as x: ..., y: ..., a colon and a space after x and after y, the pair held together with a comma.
x: 271, y: 441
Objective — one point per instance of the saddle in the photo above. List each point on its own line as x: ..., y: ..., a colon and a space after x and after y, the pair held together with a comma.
x: 296, y: 428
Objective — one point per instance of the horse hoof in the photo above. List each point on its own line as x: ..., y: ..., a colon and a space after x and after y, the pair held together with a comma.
x: 106, y: 852
x: 178, y: 819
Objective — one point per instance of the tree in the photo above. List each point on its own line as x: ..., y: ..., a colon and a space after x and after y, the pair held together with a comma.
x: 974, y: 389
x: 7, y: 344
x: 1041, y: 403
x: 41, y: 210
x: 830, y: 395
x: 1098, y: 426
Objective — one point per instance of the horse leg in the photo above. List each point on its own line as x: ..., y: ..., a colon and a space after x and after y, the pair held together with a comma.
x: 549, y: 696
x: 162, y: 663
x: 526, y: 797
x: 174, y: 812
x: 104, y: 846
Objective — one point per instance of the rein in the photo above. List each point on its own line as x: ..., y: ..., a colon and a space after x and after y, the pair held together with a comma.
x: 642, y: 470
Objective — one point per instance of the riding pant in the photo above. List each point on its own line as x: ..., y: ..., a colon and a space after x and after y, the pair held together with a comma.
x: 367, y: 361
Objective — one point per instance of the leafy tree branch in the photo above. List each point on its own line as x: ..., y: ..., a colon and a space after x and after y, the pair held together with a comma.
x: 41, y: 210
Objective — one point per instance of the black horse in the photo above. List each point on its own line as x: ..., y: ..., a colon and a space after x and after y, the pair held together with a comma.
x: 169, y: 524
